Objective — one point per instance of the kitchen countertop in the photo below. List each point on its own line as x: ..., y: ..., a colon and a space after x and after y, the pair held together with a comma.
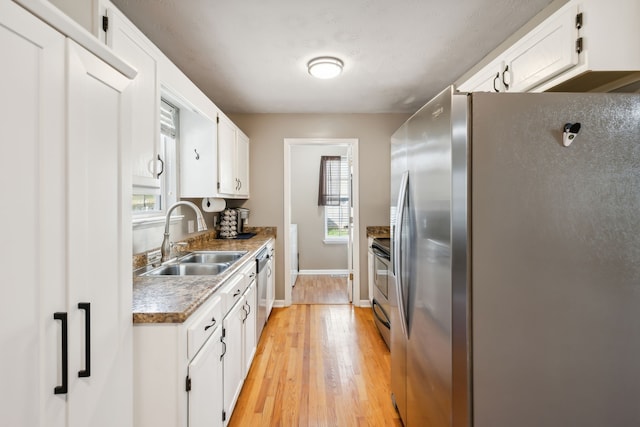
x: 172, y: 299
x: 380, y: 231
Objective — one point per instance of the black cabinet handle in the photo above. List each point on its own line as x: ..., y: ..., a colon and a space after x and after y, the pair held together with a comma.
x: 504, y: 81
x: 86, y: 372
x: 225, y: 347
x: 62, y: 389
x: 249, y: 307
x: 236, y: 293
x: 213, y: 319
x: 161, y: 164
x: 497, y: 77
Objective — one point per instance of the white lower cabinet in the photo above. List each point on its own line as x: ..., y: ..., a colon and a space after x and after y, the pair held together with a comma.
x: 249, y: 326
x: 66, y: 338
x: 204, y: 386
x: 233, y: 363
x: 197, y: 384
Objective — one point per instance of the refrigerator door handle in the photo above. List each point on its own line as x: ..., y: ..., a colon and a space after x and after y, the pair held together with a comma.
x: 397, y: 266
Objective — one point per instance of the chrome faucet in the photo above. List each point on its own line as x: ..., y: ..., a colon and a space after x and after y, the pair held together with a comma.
x: 165, y: 249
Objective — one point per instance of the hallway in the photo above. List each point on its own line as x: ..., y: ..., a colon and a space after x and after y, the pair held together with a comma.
x: 320, y: 289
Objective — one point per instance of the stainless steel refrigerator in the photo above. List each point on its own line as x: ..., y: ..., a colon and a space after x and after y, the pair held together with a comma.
x: 515, y: 225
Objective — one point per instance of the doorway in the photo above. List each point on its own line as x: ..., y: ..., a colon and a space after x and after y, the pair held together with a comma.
x: 320, y: 242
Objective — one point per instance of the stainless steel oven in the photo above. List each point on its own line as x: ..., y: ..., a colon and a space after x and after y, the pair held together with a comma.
x: 380, y: 302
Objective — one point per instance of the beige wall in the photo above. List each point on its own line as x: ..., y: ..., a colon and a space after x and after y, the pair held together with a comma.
x: 267, y: 133
x: 305, y: 170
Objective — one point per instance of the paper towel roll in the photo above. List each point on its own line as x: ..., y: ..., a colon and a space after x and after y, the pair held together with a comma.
x: 213, y: 204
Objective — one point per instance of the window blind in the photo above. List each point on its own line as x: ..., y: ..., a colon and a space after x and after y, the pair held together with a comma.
x: 168, y: 119
x: 329, y: 181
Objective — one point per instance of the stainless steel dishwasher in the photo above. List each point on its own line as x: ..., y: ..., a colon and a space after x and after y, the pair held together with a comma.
x: 262, y: 258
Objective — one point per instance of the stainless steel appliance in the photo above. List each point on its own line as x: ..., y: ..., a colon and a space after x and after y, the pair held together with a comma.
x: 381, y: 249
x: 262, y: 260
x: 243, y: 217
x: 515, y: 295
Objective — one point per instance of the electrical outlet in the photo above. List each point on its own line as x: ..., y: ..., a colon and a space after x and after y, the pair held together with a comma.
x: 191, y: 226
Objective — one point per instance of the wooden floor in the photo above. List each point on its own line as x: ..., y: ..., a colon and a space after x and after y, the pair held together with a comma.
x: 320, y: 289
x: 318, y: 365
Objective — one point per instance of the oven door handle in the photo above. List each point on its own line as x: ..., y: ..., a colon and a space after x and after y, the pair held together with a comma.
x: 377, y: 252
x: 386, y: 323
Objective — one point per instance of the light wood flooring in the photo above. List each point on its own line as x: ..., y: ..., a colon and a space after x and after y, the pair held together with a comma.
x: 318, y: 365
x: 320, y: 289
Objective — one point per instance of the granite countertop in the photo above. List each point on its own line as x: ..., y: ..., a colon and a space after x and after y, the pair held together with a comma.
x: 172, y: 299
x: 380, y: 231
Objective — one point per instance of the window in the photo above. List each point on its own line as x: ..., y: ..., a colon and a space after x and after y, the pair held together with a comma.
x: 335, y: 188
x: 146, y: 202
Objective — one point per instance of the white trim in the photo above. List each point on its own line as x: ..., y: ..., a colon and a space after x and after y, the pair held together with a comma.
x: 279, y: 303
x: 322, y: 272
x: 364, y: 303
x: 353, y: 143
x: 336, y: 241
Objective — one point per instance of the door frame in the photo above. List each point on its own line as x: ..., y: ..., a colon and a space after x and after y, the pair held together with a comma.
x: 352, y: 143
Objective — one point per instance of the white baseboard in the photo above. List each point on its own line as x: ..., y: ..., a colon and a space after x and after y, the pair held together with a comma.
x: 323, y: 272
x: 280, y: 303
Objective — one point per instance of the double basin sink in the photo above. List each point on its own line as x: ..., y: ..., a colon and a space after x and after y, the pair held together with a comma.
x: 200, y: 263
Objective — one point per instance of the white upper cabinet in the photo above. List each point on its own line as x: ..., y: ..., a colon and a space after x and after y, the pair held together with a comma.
x: 242, y: 165
x: 543, y: 53
x: 585, y: 45
x: 233, y: 160
x: 198, y: 155
x: 608, y: 39
x: 128, y: 42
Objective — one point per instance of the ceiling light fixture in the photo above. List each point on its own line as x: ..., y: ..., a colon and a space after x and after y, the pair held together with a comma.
x: 325, y: 67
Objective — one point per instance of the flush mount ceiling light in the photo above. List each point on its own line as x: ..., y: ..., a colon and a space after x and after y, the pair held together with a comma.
x: 325, y: 67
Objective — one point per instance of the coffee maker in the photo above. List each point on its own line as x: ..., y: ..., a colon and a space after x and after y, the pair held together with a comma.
x: 243, y: 218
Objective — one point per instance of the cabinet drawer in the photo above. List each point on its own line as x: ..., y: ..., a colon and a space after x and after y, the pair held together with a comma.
x: 232, y: 292
x: 248, y: 272
x: 204, y: 326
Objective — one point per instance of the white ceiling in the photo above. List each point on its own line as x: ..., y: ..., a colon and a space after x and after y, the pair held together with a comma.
x: 250, y: 56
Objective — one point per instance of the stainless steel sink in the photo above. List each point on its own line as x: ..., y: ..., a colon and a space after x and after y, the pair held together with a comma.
x: 206, y: 257
x: 200, y: 263
x: 188, y: 269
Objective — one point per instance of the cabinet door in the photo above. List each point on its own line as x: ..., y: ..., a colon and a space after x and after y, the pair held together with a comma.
x: 488, y: 79
x: 232, y: 362
x: 250, y: 342
x: 129, y: 43
x: 205, y: 397
x: 242, y: 163
x: 33, y: 260
x: 542, y: 54
x: 99, y: 233
x: 227, y: 179
x: 198, y: 155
